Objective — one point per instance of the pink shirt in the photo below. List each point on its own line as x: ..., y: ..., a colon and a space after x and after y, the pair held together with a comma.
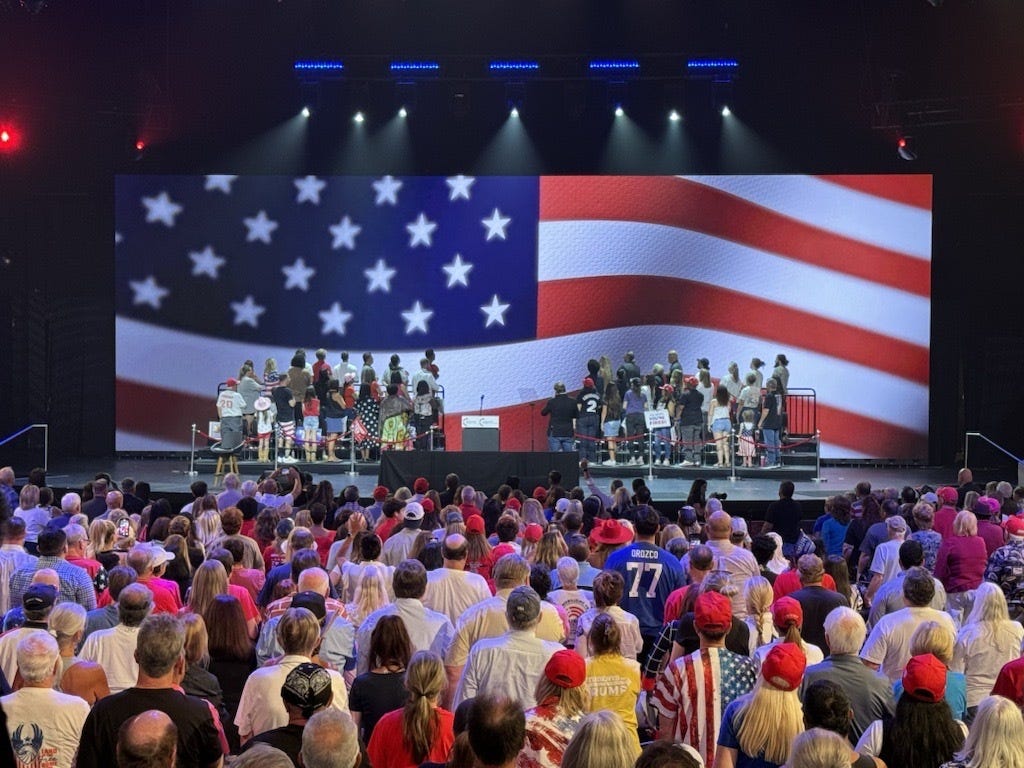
x: 960, y: 563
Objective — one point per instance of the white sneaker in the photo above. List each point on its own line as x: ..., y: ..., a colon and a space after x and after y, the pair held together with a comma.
x: 664, y: 462
x: 608, y: 463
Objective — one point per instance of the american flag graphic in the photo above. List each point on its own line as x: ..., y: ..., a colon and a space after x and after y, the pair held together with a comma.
x: 517, y: 281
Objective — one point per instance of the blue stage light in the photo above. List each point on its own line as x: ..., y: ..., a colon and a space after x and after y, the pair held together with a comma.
x: 414, y: 66
x: 614, y: 64
x: 307, y: 65
x: 514, y: 66
x: 712, y: 64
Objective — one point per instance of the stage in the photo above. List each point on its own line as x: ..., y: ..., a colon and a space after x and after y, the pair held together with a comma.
x: 669, y: 485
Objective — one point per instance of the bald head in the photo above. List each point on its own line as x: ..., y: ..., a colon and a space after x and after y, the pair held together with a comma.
x: 149, y: 739
x: 454, y: 551
x: 719, y: 525
x: 46, y: 576
x: 314, y: 580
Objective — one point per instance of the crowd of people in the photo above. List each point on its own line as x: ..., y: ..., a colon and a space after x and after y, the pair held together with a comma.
x: 306, y: 411
x: 278, y: 623
x: 609, y: 411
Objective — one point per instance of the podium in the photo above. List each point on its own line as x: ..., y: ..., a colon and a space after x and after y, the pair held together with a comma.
x: 480, y: 433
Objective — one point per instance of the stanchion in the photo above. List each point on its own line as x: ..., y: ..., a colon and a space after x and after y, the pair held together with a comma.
x: 192, y: 458
x: 732, y: 452
x: 817, y: 458
x: 351, y: 454
x: 650, y: 455
x: 277, y: 442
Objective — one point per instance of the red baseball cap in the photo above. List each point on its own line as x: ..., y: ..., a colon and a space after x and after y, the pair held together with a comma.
x: 566, y: 669
x: 533, y: 532
x: 475, y: 524
x: 588, y: 382
x: 924, y: 678
x: 232, y: 382
x: 1015, y: 526
x: 947, y: 495
x: 513, y: 503
x: 783, y: 667
x: 786, y: 611
x: 540, y: 493
x: 427, y: 504
x: 712, y: 612
x: 420, y: 485
x: 380, y: 493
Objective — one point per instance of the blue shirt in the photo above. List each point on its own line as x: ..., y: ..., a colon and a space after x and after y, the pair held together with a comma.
x: 727, y: 738
x: 651, y: 574
x: 956, y: 693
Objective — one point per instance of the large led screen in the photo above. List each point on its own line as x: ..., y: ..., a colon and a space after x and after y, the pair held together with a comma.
x: 516, y: 282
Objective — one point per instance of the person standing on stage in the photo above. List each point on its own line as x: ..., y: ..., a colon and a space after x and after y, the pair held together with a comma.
x: 229, y: 408
x: 561, y: 412
x: 588, y: 423
x: 690, y: 422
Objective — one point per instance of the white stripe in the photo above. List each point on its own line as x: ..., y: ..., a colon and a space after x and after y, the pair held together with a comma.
x: 849, y: 212
x: 570, y: 249
x: 511, y: 374
x: 133, y: 441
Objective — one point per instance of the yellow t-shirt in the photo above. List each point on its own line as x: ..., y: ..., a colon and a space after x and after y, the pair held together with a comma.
x: 614, y: 683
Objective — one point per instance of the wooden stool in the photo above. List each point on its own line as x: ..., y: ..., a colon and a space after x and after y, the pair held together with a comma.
x: 232, y: 460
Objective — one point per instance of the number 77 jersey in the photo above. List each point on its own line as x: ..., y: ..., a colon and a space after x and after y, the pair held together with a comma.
x: 651, y: 574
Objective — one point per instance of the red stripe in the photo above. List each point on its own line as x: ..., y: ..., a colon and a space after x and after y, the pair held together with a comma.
x: 162, y: 413
x: 909, y: 189
x: 692, y: 732
x: 685, y: 204
x: 567, y: 307
x: 168, y: 415
x: 710, y: 689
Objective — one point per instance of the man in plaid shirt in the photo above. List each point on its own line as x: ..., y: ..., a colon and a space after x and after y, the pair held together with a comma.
x: 75, y: 584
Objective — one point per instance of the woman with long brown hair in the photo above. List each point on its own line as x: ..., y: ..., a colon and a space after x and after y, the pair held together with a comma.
x: 382, y: 688
x: 421, y: 730
x: 232, y: 655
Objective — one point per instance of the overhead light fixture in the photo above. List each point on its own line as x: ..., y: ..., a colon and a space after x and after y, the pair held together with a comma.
x: 306, y: 112
x: 318, y: 65
x: 359, y: 117
x: 514, y: 66
x: 614, y: 65
x: 726, y: 111
x: 514, y: 112
x: 414, y: 66
x: 619, y: 111
x: 904, y: 150
x: 709, y: 64
x: 674, y: 116
x: 403, y: 112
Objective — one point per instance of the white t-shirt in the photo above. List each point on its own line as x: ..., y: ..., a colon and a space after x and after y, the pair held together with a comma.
x: 886, y: 559
x: 452, y: 592
x: 114, y: 650
x: 888, y: 645
x: 45, y: 726
x: 230, y: 403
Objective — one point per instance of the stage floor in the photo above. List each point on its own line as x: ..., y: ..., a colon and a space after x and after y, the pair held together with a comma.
x: 170, y: 475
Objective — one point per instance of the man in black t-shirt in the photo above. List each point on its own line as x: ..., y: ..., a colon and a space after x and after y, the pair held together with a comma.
x: 783, y: 517
x: 561, y: 413
x: 588, y: 423
x: 159, y: 653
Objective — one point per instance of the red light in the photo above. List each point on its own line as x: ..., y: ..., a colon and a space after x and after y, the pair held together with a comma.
x: 10, y: 139
x: 901, y: 143
x: 140, y: 145
x: 5, y: 137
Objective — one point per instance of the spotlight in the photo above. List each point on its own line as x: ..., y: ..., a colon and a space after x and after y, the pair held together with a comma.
x: 514, y: 112
x: 359, y: 117
x: 402, y: 112
x: 5, y: 137
x: 619, y: 111
x: 725, y: 111
x: 306, y: 112
x: 904, y: 150
x: 139, y: 145
x: 10, y: 139
x: 674, y: 116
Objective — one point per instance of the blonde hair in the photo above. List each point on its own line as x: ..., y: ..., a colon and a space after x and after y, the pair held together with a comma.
x: 991, y: 613
x: 207, y: 528
x: 67, y: 620
x: 668, y: 533
x: 371, y: 594
x: 934, y: 638
x: 425, y: 680
x: 757, y: 591
x: 550, y: 547
x: 819, y: 748
x: 304, y: 519
x: 602, y: 741
x: 210, y: 580
x: 965, y: 524
x: 996, y: 737
x: 197, y: 641
x: 769, y: 719
x: 101, y: 536
x: 571, y: 701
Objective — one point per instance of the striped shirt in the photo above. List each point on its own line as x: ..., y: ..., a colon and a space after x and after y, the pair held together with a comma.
x: 695, y: 689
